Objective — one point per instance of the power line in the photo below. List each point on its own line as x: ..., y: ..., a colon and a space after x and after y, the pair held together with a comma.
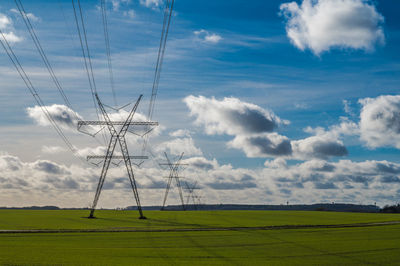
x: 5, y: 44
x: 108, y: 52
x: 41, y: 51
x: 87, y: 58
x: 160, y: 58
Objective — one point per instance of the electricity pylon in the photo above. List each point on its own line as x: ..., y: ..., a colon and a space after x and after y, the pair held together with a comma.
x: 173, y: 175
x: 192, y: 195
x: 117, y: 135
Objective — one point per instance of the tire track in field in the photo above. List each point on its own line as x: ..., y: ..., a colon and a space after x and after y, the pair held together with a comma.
x: 237, y: 228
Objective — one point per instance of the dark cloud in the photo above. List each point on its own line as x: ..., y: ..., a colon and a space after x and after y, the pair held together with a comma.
x: 62, y: 183
x: 327, y: 185
x: 321, y: 147
x: 265, y: 145
x: 390, y: 179
x: 49, y: 167
x: 324, y: 149
x: 355, y: 178
x: 222, y: 185
x: 250, y: 120
x: 156, y: 185
x: 285, y: 191
x: 388, y: 168
x: 201, y: 163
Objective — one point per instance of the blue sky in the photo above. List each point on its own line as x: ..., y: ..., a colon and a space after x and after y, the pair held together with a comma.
x: 231, y: 67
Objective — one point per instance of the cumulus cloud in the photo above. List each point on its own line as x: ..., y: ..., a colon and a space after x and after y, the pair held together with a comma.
x: 49, y: 167
x: 232, y: 182
x: 307, y: 182
x: 342, y: 176
x: 231, y: 116
x: 99, y: 150
x: 179, y: 145
x: 7, y: 29
x: 201, y: 163
x: 253, y: 130
x: 62, y: 115
x: 320, y: 25
x: 9, y: 163
x: 262, y: 145
x: 318, y: 147
x: 208, y: 37
x: 380, y: 121
x: 5, y: 22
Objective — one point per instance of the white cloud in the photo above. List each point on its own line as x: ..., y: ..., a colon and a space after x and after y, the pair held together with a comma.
x: 231, y: 116
x: 253, y: 128
x: 129, y: 13
x: 62, y: 115
x: 5, y: 22
x: 122, y: 115
x: 380, y: 121
x: 31, y: 16
x: 180, y: 133
x: 179, y: 145
x: 53, y: 149
x: 51, y: 183
x: 323, y: 24
x: 7, y: 29
x: 208, y: 37
x: 347, y: 107
x: 11, y: 37
x: 151, y: 3
x: 116, y: 4
x: 99, y: 150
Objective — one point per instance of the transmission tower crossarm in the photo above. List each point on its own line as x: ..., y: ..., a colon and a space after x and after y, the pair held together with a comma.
x: 117, y: 157
x: 115, y: 123
x: 172, y: 164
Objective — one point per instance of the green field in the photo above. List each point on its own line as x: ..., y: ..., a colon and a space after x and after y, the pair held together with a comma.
x: 379, y: 245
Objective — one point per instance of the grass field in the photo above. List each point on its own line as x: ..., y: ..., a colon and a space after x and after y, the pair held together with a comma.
x: 379, y: 245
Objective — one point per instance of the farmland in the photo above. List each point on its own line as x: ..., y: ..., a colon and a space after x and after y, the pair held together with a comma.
x: 235, y: 238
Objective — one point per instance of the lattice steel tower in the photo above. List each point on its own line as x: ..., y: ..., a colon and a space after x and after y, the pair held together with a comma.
x: 118, y: 130
x: 173, y: 175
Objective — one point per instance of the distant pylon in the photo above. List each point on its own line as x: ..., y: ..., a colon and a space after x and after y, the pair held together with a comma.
x: 192, y: 195
x: 117, y: 135
x: 173, y: 175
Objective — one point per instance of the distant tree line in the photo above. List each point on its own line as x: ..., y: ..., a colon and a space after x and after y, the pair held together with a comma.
x: 391, y: 209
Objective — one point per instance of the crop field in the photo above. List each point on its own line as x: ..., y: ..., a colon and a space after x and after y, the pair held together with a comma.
x: 198, y: 238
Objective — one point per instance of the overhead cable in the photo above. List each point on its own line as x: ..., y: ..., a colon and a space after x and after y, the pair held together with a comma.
x: 41, y: 51
x: 108, y: 50
x: 7, y: 48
